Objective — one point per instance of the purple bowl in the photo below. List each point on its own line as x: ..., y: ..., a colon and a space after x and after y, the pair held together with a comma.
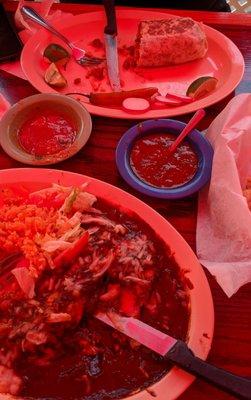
x: 200, y: 144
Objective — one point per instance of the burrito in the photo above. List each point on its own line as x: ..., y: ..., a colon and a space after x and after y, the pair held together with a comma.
x: 168, y: 42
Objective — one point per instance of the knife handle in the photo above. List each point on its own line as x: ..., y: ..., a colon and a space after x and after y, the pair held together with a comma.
x: 181, y: 355
x: 111, y: 27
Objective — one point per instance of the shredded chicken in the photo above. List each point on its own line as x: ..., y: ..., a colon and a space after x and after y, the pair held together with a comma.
x: 9, y: 382
x: 36, y: 337
x: 59, y: 317
x: 88, y: 219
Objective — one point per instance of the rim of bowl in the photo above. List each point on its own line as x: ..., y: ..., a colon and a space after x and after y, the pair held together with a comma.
x: 18, y: 154
x: 201, y: 146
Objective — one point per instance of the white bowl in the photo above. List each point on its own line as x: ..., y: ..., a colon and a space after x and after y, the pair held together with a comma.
x: 21, y: 111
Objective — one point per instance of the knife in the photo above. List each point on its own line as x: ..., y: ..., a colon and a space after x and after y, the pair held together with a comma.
x: 110, y: 35
x: 178, y: 352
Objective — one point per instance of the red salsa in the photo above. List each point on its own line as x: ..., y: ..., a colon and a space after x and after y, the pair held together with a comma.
x: 150, y: 163
x: 47, y: 132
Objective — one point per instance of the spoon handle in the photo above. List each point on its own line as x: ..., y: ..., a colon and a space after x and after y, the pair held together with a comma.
x: 188, y: 128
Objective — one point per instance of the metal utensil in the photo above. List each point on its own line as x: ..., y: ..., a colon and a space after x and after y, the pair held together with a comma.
x: 178, y: 352
x: 77, y: 53
x: 110, y: 35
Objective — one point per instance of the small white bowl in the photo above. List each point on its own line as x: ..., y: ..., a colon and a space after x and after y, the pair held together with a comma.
x: 21, y: 111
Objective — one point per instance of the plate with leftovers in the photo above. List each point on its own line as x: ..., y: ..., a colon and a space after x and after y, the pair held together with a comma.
x: 72, y: 246
x: 168, y: 65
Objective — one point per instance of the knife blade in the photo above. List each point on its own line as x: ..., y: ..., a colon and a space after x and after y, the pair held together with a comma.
x: 111, y: 47
x: 139, y: 331
x: 178, y: 352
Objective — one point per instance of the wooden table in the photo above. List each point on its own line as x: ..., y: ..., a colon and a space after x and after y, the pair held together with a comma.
x: 231, y: 348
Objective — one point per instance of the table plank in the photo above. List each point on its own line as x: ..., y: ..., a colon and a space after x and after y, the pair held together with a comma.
x: 231, y: 347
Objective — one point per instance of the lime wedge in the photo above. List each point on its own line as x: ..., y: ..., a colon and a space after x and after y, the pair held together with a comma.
x: 53, y: 77
x: 55, y: 52
x: 201, y: 86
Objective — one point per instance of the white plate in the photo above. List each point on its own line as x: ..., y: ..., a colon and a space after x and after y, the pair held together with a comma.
x: 202, y: 315
x: 223, y: 61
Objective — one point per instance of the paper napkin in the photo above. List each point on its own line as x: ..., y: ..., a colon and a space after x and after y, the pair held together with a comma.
x: 223, y: 236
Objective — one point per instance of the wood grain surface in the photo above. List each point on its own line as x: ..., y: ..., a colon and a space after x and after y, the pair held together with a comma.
x: 231, y: 348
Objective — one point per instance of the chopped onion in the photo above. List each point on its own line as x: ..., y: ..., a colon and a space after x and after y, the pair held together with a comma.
x: 25, y: 281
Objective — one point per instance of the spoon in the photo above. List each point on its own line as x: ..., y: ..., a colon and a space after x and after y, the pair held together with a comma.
x: 196, y: 118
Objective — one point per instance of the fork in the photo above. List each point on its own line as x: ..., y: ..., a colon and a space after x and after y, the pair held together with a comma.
x: 78, y: 53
